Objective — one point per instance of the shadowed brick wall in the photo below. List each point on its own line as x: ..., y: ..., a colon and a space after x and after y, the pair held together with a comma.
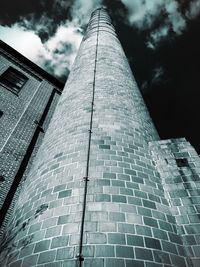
x: 17, y: 124
x: 179, y: 166
x: 129, y: 218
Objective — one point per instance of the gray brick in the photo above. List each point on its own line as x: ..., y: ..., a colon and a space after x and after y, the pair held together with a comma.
x: 165, y: 226
x: 53, y: 231
x: 144, y: 211
x: 109, y: 175
x: 135, y: 263
x: 117, y: 198
x: 35, y: 227
x: 93, y: 262
x: 104, y: 146
x: 47, y: 256
x: 150, y: 222
x: 70, y: 228
x: 123, y: 177
x: 126, y: 191
x: 26, y: 251
x: 49, y: 223
x: 160, y: 234
x: 96, y: 238
x: 41, y: 246
x: 105, y: 251
x: 177, y: 260
x: 140, y: 194
x: 152, y: 264
x: 175, y: 238
x: 169, y: 247
x: 88, y: 251
x: 65, y: 253
x: 154, y: 198
x: 137, y: 180
x: 107, y: 227
x: 70, y: 263
x: 162, y: 257
x: 103, y: 198
x: 16, y: 263
x: 115, y: 238
x: 130, y: 172
x: 63, y: 219
x: 126, y: 228
x: 132, y: 185
x: 143, y: 254
x: 60, y: 241
x: 114, y: 263
x: 117, y: 216
x: 124, y: 252
x: 128, y: 208
x: 152, y: 243
x: 30, y: 261
x: 135, y: 240
x: 158, y: 215
x: 118, y: 183
x: 149, y: 204
x: 65, y: 193
x: 135, y: 201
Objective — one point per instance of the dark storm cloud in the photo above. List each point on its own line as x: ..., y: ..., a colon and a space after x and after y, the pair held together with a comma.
x: 43, y: 17
x: 161, y: 19
x: 13, y: 11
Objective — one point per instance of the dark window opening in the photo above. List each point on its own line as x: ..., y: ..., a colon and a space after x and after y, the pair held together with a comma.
x: 13, y: 80
x: 2, y: 179
x: 182, y: 162
x: 1, y: 113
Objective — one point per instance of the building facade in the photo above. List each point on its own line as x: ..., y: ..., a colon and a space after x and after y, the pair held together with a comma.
x: 28, y: 96
x: 103, y: 189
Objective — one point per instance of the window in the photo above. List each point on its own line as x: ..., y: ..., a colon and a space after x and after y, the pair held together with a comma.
x: 13, y: 80
x: 1, y: 113
x: 182, y: 162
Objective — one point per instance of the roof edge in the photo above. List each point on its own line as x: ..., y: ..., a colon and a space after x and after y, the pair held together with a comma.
x: 32, y: 65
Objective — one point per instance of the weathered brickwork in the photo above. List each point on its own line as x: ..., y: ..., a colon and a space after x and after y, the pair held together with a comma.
x: 17, y: 124
x: 130, y: 217
x: 179, y: 166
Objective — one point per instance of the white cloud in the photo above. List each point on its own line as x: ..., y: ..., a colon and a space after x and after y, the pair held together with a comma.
x: 58, y: 46
x: 143, y: 14
x: 158, y: 73
x: 82, y: 9
x: 175, y: 18
x: 56, y: 55
x: 25, y: 42
x: 157, y: 35
x: 194, y: 9
x: 61, y: 49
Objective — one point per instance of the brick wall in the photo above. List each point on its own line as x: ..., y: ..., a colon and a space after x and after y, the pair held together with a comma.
x: 17, y: 124
x: 179, y: 166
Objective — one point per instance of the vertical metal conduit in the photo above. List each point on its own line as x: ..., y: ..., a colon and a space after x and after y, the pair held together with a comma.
x: 80, y: 256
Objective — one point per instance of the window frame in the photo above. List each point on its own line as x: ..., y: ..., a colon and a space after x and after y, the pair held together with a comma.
x: 13, y: 80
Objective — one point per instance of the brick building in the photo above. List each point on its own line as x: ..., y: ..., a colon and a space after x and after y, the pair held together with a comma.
x: 103, y: 189
x: 28, y: 96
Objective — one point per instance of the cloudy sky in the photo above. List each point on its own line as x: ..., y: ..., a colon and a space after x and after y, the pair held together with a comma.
x: 161, y: 39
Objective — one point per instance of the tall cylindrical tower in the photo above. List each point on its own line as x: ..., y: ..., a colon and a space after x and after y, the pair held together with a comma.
x: 93, y: 196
